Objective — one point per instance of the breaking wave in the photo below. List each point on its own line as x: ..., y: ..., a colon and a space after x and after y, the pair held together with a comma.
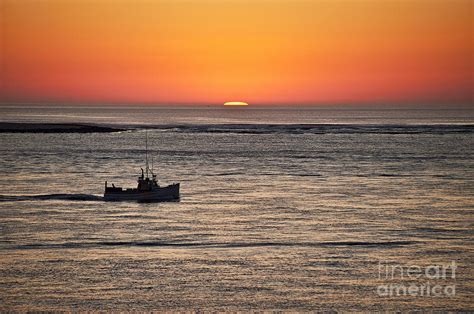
x: 319, y: 128
x: 217, y: 245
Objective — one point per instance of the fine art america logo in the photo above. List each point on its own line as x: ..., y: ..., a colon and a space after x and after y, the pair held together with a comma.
x: 417, y: 281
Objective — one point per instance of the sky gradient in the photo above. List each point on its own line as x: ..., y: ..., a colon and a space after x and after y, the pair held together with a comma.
x: 213, y: 51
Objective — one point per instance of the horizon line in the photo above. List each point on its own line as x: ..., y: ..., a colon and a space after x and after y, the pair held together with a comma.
x: 381, y: 105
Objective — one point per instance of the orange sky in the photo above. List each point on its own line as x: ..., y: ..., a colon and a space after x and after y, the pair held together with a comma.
x: 257, y: 51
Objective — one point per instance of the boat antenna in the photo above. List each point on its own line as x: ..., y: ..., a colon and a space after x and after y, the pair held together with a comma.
x: 146, y: 152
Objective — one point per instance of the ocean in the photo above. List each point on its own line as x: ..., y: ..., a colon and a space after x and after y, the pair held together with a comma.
x: 300, y: 209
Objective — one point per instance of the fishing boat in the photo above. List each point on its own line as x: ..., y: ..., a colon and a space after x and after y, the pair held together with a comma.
x: 148, y: 189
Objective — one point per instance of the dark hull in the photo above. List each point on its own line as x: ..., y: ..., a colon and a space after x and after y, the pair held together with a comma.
x: 160, y: 194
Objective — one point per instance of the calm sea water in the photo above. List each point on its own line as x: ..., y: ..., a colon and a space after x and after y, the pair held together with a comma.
x: 280, y: 209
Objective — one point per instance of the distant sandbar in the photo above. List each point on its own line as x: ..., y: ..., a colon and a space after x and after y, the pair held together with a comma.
x: 15, y: 127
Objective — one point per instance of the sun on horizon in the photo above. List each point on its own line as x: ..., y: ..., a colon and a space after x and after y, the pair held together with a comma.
x: 236, y: 103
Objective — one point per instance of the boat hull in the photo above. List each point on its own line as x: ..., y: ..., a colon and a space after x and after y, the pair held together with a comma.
x: 160, y: 194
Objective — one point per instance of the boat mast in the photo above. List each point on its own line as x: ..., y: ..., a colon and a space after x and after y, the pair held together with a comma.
x: 146, y: 152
